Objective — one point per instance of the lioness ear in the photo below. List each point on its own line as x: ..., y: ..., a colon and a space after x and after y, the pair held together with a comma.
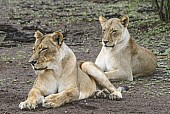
x: 38, y: 34
x: 57, y: 37
x: 102, y: 20
x: 125, y: 20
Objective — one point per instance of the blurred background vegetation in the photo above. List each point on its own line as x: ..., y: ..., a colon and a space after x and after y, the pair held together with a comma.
x: 149, y: 19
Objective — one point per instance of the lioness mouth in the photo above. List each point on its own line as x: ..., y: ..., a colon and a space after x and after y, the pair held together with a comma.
x: 110, y: 46
x: 40, y: 68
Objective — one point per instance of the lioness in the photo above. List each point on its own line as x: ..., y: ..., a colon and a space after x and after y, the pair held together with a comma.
x: 120, y: 57
x: 60, y: 80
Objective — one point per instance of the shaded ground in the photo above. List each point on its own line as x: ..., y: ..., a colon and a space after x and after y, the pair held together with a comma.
x: 19, y: 20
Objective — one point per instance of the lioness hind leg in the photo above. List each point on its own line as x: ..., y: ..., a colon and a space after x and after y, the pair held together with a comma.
x: 94, y: 71
x: 119, y: 74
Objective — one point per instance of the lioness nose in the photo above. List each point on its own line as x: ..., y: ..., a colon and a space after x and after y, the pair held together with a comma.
x: 105, y: 42
x: 33, y: 62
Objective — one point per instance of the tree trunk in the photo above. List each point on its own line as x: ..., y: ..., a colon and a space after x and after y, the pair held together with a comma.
x: 163, y: 8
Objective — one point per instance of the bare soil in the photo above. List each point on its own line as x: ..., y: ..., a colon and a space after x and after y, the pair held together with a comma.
x: 77, y: 19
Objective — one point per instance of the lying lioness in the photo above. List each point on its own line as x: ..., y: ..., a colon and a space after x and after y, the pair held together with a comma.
x: 120, y: 57
x: 59, y: 79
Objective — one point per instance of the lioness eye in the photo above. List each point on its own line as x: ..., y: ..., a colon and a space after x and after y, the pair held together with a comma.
x: 43, y: 49
x: 103, y: 30
x: 113, y: 31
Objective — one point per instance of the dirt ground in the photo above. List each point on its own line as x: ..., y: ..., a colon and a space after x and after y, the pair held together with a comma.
x: 78, y: 20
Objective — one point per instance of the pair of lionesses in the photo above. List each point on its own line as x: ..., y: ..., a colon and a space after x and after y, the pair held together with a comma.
x: 62, y: 81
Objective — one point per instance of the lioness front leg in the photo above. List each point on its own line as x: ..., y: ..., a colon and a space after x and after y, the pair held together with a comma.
x: 56, y: 100
x: 34, y: 98
x: 94, y: 71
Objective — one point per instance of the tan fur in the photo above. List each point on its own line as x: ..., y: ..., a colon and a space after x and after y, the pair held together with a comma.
x: 59, y: 79
x: 120, y: 57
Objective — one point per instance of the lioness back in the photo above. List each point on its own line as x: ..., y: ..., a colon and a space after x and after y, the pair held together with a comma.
x: 144, y: 62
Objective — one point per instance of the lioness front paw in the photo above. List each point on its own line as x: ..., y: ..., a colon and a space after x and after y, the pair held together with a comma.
x: 116, y: 95
x: 51, y: 102
x: 28, y: 104
x: 100, y: 94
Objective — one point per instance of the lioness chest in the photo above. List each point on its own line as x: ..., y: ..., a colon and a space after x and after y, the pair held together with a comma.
x: 110, y: 60
x: 50, y: 82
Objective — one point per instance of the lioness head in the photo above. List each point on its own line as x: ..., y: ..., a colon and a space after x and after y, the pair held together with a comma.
x: 114, y: 30
x: 46, y: 50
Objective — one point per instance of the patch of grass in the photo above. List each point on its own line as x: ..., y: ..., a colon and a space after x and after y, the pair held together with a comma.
x: 30, y: 82
x: 20, y: 55
x: 5, y: 58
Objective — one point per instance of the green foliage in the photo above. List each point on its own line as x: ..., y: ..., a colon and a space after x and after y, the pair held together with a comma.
x: 5, y: 58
